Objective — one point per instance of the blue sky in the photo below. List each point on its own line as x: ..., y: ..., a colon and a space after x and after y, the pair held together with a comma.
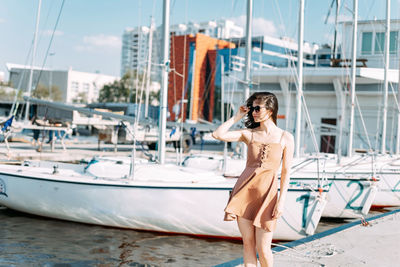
x: 88, y: 37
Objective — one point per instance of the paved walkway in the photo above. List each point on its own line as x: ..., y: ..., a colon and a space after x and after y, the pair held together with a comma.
x: 352, y: 244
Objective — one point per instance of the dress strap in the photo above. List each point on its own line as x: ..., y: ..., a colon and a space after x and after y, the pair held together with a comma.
x: 280, y: 140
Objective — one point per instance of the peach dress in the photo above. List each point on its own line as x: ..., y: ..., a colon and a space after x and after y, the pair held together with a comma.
x: 256, y: 191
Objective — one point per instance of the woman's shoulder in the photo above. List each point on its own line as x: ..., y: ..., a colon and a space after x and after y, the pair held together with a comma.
x: 287, y: 138
x: 286, y: 134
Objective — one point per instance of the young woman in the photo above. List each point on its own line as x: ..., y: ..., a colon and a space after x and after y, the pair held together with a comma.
x: 254, y: 201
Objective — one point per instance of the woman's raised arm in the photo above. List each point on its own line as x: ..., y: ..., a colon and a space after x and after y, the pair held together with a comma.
x: 222, y: 132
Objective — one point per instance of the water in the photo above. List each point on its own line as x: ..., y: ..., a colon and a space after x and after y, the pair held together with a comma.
x: 27, y: 240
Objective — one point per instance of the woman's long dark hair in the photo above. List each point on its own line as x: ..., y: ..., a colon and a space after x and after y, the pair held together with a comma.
x: 269, y: 100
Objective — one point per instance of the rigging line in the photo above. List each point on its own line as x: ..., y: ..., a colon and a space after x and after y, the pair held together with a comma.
x: 50, y: 43
x: 359, y: 108
x: 361, y: 117
x: 172, y: 51
x: 229, y: 106
x: 207, y: 86
x: 135, y: 82
x: 139, y: 104
x: 45, y: 22
x: 207, y: 82
x: 363, y: 122
x: 228, y: 109
x: 395, y: 98
x: 183, y: 89
x: 14, y: 106
x: 313, y: 137
x: 261, y: 44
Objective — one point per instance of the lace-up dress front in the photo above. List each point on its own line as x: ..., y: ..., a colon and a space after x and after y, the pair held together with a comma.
x: 256, y: 191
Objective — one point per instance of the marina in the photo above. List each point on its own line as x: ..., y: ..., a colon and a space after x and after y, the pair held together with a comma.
x: 140, y: 169
x: 20, y: 229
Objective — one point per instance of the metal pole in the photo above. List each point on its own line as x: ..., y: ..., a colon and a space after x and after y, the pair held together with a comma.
x: 248, y: 48
x: 336, y: 24
x: 300, y: 77
x: 51, y: 75
x: 398, y: 116
x: 222, y: 90
x: 148, y: 72
x: 164, y: 86
x: 192, y: 86
x: 353, y: 76
x: 249, y: 22
x: 386, y: 84
x: 33, y: 60
x: 223, y: 113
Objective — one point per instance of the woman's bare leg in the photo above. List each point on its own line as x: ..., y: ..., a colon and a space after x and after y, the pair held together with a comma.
x: 247, y: 230
x: 263, y: 243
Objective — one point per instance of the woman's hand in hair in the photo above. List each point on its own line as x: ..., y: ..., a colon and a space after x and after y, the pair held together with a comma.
x: 241, y: 112
x: 222, y: 132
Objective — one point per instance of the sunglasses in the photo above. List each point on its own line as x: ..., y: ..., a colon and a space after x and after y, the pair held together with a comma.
x: 256, y: 109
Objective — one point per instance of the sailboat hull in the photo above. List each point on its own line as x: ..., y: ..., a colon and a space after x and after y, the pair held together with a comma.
x: 388, y: 194
x: 186, y: 208
x: 347, y: 197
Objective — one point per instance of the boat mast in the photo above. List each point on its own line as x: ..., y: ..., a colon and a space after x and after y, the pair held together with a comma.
x: 164, y: 83
x: 148, y: 71
x: 386, y: 83
x: 249, y: 19
x: 300, y: 76
x: 398, y: 116
x: 223, y: 111
x: 33, y: 59
x: 336, y: 26
x: 353, y: 76
x: 249, y: 22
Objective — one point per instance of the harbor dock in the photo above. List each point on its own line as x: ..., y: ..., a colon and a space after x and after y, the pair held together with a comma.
x: 371, y: 242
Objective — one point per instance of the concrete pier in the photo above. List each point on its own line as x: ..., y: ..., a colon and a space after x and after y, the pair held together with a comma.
x: 374, y: 242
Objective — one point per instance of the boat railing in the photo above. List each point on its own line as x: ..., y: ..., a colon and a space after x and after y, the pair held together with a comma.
x: 356, y: 161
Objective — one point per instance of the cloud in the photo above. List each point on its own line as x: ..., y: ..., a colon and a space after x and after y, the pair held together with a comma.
x: 50, y: 32
x: 261, y: 26
x: 2, y: 20
x: 82, y: 48
x: 101, y: 40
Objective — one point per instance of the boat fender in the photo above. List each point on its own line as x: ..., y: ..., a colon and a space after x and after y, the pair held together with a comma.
x: 369, y: 198
x: 315, y: 215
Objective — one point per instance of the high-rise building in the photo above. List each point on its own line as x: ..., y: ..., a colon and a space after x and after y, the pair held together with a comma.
x: 219, y: 29
x: 135, y: 42
x: 135, y: 52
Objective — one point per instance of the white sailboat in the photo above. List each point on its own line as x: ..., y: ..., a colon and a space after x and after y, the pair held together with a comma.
x: 146, y: 196
x: 384, y: 168
x: 350, y: 195
x: 161, y: 198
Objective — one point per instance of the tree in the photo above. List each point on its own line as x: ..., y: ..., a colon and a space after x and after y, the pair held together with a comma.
x: 81, y: 98
x: 42, y: 92
x: 124, y: 90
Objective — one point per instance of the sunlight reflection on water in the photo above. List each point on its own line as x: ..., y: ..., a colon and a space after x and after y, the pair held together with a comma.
x: 27, y: 240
